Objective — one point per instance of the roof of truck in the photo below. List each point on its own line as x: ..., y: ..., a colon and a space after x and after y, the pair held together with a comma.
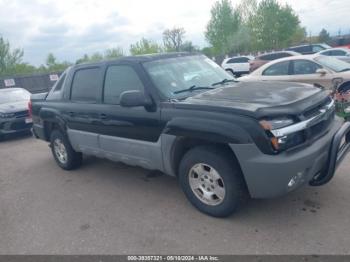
x: 141, y: 58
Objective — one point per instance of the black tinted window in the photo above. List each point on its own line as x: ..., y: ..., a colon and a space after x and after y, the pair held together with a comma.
x: 120, y: 79
x: 86, y: 85
x: 302, y: 49
x: 281, y: 55
x: 60, y: 82
x: 304, y: 67
x: 338, y: 53
x: 327, y: 53
x: 278, y: 69
x: 238, y: 60
x: 317, y: 48
x: 268, y: 57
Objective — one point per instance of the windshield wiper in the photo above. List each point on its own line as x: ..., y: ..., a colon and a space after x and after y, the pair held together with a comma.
x: 224, y: 81
x: 193, y: 88
x: 345, y: 69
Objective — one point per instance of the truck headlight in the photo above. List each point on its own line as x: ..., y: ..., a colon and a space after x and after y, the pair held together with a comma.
x: 282, y: 142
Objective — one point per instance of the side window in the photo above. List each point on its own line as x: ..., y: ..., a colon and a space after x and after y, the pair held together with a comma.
x: 268, y: 57
x: 328, y: 53
x: 119, y: 79
x: 317, y: 48
x: 338, y: 53
x: 303, y: 49
x: 278, y: 69
x: 59, y: 84
x: 86, y: 85
x: 304, y: 67
x: 281, y: 55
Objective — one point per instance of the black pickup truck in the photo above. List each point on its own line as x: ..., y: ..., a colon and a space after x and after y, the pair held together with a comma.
x: 185, y: 116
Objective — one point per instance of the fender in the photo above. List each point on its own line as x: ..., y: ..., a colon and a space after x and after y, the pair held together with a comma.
x: 51, y: 115
x: 207, y: 129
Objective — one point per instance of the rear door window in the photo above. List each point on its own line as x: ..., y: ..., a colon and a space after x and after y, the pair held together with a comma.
x: 281, y: 68
x: 87, y: 86
x: 304, y: 67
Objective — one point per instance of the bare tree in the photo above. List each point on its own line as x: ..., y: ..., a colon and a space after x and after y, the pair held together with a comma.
x: 173, y: 38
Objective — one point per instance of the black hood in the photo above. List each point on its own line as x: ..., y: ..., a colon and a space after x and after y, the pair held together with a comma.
x: 261, y: 98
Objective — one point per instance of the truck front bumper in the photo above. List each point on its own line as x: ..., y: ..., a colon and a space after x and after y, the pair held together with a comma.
x: 270, y: 176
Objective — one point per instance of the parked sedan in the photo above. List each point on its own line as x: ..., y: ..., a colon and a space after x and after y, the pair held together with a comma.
x: 14, y: 114
x: 323, y: 71
x: 265, y: 58
x: 238, y: 65
x: 339, y: 53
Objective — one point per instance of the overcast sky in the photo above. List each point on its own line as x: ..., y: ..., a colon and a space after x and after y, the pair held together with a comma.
x: 70, y: 28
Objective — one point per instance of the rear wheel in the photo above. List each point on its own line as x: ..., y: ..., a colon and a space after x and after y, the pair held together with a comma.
x: 230, y: 71
x: 63, y: 152
x: 212, y: 181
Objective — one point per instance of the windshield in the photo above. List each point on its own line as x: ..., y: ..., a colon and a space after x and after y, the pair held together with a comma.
x: 333, y: 63
x: 175, y: 74
x: 10, y: 96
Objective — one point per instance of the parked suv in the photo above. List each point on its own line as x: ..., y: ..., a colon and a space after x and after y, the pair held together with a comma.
x: 184, y: 115
x: 238, y: 65
x: 309, y: 48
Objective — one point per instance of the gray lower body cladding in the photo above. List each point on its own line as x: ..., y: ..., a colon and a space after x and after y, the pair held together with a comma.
x: 270, y: 176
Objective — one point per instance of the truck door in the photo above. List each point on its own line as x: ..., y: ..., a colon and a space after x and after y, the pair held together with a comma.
x: 82, y: 110
x: 129, y: 134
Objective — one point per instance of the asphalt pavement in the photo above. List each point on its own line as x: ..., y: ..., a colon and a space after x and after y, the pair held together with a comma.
x: 111, y: 208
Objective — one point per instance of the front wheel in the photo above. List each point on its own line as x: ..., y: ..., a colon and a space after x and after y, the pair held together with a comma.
x: 212, y: 181
x: 63, y: 152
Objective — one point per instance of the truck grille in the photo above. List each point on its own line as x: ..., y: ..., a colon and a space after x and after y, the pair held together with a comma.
x: 322, y: 125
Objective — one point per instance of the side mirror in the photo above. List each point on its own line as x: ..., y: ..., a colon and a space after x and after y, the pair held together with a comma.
x: 321, y: 71
x: 134, y: 98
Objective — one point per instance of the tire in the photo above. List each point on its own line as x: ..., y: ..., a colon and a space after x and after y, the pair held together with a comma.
x: 62, y: 151
x: 230, y: 71
x: 227, y: 193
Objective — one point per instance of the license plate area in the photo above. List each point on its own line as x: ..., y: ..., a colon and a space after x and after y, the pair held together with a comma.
x: 28, y: 120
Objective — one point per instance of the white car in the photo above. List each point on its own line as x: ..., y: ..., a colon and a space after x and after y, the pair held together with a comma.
x: 340, y: 53
x: 238, y: 65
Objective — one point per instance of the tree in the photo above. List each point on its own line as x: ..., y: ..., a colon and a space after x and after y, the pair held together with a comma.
x: 113, y: 53
x: 224, y: 23
x: 324, y: 36
x: 246, y: 10
x: 188, y: 46
x: 173, y: 38
x: 273, y: 25
x: 8, y: 57
x: 51, y: 64
x: 144, y: 46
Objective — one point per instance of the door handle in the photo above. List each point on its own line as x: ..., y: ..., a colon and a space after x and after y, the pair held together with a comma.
x: 103, y: 116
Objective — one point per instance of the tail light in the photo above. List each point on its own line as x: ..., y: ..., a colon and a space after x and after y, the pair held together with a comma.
x: 30, y: 109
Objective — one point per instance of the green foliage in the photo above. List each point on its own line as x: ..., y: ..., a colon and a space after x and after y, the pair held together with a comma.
x: 222, y: 27
x: 113, y: 53
x: 173, y: 39
x: 273, y: 25
x: 324, y: 37
x: 109, y: 54
x: 145, y: 46
x: 9, y: 58
x: 188, y: 46
x: 52, y: 65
